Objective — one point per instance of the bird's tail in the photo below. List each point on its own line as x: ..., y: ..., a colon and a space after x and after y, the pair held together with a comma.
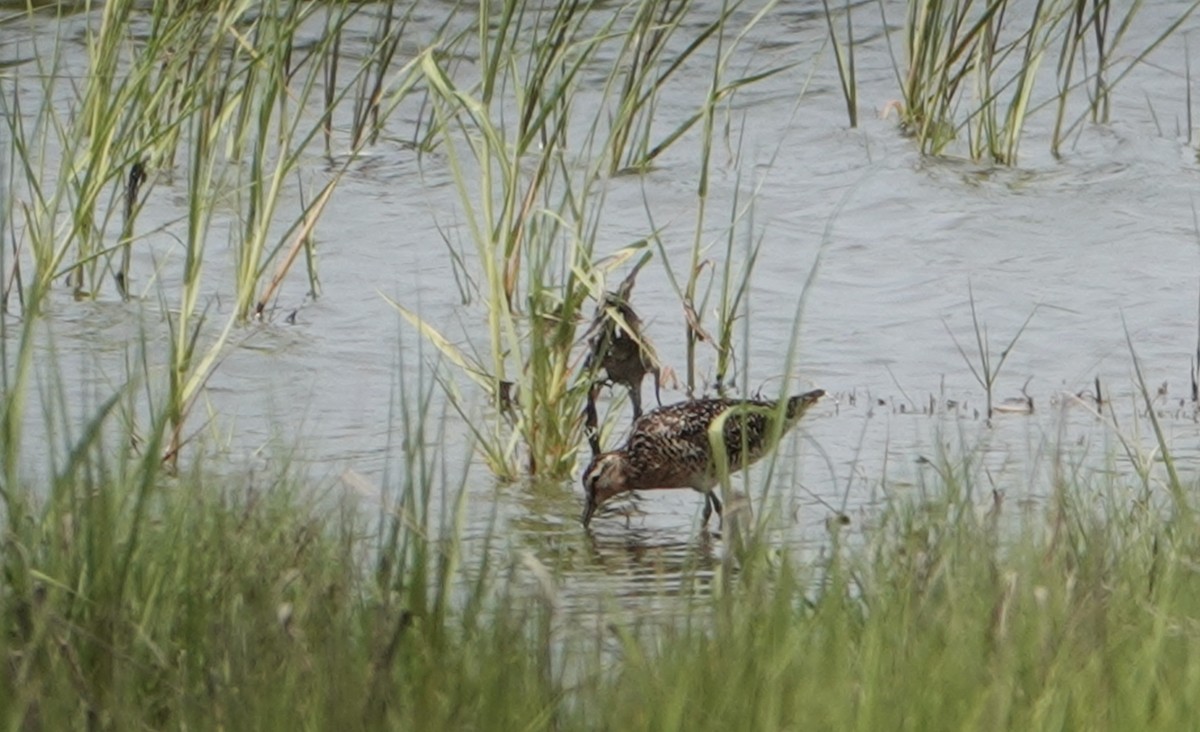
x: 800, y: 403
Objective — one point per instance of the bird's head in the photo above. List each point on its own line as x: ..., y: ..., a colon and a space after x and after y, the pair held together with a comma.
x: 604, y: 478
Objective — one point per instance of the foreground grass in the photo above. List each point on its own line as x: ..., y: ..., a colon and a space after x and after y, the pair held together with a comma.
x: 202, y: 603
x: 245, y: 608
x: 1093, y: 628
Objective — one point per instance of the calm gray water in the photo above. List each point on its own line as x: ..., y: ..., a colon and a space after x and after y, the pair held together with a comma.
x: 1102, y: 242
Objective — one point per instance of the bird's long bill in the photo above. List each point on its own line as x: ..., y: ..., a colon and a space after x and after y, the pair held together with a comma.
x: 589, y: 508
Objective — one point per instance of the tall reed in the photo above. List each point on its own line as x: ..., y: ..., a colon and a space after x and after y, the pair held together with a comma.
x: 518, y: 224
x: 843, y: 55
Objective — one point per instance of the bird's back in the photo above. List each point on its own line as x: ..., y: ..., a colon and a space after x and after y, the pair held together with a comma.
x: 669, y: 447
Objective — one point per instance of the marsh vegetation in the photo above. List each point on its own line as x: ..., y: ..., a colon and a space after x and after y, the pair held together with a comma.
x: 305, y: 312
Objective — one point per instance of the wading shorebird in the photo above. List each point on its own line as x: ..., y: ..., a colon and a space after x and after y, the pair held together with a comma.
x: 669, y: 448
x: 618, y: 346
x: 622, y: 351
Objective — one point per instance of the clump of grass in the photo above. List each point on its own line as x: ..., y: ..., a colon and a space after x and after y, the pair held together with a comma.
x: 940, y: 38
x: 955, y: 45
x: 532, y: 198
x: 951, y: 43
x: 527, y: 220
x: 1094, y: 20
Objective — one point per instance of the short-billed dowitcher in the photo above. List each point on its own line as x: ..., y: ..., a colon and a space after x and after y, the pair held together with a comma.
x: 618, y: 347
x: 669, y: 448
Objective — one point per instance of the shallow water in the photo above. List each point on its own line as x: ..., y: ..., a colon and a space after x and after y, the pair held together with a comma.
x: 1099, y: 245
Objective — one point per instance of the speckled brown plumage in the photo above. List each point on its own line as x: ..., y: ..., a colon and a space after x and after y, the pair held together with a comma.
x: 669, y: 448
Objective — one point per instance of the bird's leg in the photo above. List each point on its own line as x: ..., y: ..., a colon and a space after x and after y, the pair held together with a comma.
x: 591, y: 420
x: 635, y: 398
x: 712, y: 502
